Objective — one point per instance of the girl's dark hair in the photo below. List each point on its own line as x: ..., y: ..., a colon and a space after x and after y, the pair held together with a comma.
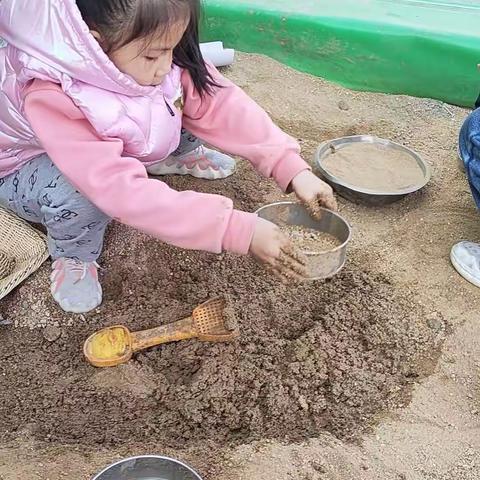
x: 120, y: 22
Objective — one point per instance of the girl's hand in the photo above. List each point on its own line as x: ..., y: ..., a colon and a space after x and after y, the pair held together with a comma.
x: 313, y: 192
x: 271, y: 247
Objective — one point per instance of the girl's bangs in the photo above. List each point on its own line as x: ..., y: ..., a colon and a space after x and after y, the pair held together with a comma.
x: 152, y: 19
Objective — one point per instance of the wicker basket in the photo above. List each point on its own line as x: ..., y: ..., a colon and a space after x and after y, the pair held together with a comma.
x: 7, y: 264
x: 22, y: 251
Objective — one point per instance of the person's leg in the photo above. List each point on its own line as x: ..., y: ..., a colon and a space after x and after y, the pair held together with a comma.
x: 39, y: 193
x: 192, y: 158
x: 469, y: 149
x: 465, y: 256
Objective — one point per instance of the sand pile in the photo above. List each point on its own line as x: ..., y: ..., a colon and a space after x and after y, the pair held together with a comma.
x: 312, y: 357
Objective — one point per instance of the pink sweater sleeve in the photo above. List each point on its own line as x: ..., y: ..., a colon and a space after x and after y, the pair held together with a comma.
x: 231, y: 121
x: 120, y: 187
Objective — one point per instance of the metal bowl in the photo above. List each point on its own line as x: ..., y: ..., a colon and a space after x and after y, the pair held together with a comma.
x: 320, y: 265
x: 362, y: 195
x: 149, y: 467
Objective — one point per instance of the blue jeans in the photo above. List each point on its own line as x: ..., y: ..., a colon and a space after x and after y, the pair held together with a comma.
x: 469, y: 147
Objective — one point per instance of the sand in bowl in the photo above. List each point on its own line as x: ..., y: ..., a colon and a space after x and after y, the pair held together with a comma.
x: 310, y: 240
x: 374, y: 167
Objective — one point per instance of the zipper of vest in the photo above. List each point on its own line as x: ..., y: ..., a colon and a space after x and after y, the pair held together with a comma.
x: 172, y: 113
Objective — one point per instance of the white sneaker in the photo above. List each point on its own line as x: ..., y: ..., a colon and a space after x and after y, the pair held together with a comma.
x: 75, y: 285
x: 200, y: 163
x: 465, y: 257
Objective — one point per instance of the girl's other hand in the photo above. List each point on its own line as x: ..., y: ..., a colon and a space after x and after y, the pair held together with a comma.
x: 271, y: 247
x: 313, y: 192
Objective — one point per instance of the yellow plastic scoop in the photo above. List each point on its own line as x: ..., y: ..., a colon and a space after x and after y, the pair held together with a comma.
x: 213, y: 321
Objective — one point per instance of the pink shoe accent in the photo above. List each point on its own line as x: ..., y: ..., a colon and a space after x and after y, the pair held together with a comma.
x: 201, y: 163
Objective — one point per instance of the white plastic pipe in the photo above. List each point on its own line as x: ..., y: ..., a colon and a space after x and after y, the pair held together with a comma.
x: 217, y: 54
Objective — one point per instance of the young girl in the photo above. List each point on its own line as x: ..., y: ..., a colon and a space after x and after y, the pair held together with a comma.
x: 94, y: 93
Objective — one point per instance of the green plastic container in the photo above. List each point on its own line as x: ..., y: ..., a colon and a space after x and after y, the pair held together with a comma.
x: 423, y: 48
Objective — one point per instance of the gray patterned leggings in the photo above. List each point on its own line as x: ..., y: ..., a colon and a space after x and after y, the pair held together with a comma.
x: 39, y: 193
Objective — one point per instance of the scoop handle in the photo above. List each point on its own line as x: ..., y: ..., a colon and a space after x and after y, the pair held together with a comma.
x: 172, y: 332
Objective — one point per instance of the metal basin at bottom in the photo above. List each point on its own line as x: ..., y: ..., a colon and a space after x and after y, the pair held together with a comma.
x: 148, y: 467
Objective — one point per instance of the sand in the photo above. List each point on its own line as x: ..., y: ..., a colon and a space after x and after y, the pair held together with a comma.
x: 310, y: 240
x: 374, y: 167
x: 311, y: 358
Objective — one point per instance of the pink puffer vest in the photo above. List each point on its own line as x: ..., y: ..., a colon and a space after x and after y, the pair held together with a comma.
x: 48, y: 40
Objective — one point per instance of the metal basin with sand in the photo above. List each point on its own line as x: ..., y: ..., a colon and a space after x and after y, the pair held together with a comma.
x: 371, y: 170
x: 325, y: 256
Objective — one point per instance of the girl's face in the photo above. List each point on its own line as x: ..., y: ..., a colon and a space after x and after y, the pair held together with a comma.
x: 148, y: 64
